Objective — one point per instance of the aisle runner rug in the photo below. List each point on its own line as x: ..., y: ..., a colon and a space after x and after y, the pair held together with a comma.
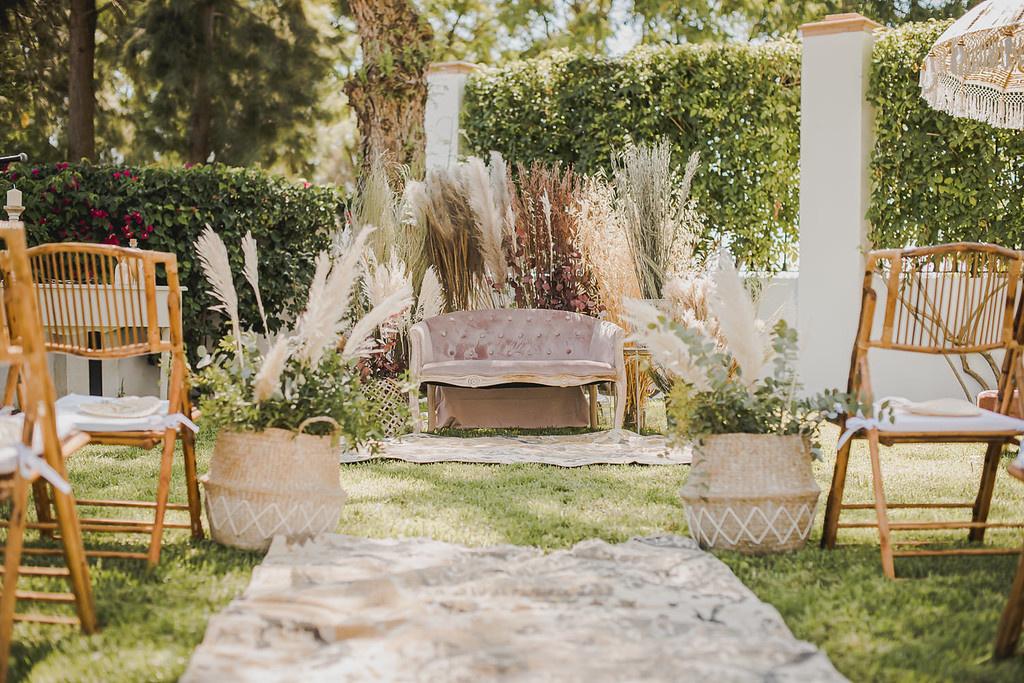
x: 341, y: 608
x: 617, y: 446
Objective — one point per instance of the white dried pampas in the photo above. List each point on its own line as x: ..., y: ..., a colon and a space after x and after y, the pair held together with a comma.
x: 252, y: 274
x: 489, y: 217
x: 430, y: 302
x: 360, y: 340
x: 268, y: 378
x: 747, y: 339
x: 213, y: 257
x: 329, y: 296
x: 650, y: 328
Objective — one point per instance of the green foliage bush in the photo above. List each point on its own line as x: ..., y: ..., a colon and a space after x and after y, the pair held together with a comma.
x: 936, y: 178
x: 166, y: 209
x: 737, y: 104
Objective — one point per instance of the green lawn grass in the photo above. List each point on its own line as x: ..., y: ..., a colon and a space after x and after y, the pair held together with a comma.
x: 936, y: 625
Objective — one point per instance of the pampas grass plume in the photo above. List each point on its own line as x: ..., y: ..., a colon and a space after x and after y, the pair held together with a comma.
x: 213, y: 257
x: 252, y: 274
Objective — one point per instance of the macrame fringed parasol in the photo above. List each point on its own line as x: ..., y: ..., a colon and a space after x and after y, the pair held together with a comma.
x: 974, y: 70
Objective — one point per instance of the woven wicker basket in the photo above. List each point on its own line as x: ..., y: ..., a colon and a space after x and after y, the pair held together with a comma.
x: 392, y: 398
x: 754, y: 493
x: 269, y: 483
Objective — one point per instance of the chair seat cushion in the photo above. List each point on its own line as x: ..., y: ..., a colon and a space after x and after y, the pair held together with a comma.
x: 68, y: 413
x: 904, y: 422
x: 10, y: 434
x: 549, y: 372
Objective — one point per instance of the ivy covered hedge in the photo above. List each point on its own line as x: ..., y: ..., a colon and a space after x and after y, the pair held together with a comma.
x: 937, y: 178
x: 737, y: 104
x: 166, y: 209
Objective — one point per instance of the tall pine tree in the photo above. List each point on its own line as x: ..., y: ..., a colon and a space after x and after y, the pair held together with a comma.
x: 238, y: 81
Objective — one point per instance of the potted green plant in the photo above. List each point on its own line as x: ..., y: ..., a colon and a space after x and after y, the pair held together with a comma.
x: 282, y: 413
x: 735, y: 397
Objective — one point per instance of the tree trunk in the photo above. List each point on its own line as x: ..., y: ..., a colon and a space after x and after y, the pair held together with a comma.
x: 81, y: 81
x: 389, y: 92
x: 200, y: 139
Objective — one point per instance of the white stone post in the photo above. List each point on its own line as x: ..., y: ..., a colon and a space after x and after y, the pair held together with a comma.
x: 446, y: 83
x: 836, y: 138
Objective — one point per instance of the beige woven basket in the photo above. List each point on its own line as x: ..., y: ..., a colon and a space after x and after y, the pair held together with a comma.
x: 754, y: 493
x: 269, y: 483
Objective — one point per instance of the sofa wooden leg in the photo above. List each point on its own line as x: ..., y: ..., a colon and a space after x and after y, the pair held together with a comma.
x: 431, y: 407
x: 592, y: 389
x: 620, y: 403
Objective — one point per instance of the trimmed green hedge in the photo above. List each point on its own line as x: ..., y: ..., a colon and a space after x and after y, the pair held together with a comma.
x: 937, y: 178
x: 166, y: 209
x: 737, y: 104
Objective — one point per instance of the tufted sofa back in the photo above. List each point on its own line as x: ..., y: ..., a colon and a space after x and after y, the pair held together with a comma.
x: 519, y: 334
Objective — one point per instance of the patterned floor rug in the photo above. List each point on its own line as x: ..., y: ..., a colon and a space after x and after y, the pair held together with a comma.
x: 341, y: 608
x: 617, y: 446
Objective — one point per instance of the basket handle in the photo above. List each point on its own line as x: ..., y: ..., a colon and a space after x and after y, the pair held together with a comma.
x: 315, y: 420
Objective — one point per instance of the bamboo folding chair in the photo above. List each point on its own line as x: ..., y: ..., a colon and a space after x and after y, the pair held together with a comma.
x: 100, y: 302
x: 948, y: 299
x: 22, y: 349
x: 1012, y: 620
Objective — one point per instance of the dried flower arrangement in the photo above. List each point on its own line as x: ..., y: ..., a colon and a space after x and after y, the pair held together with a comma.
x: 718, y: 366
x: 548, y: 268
x: 308, y: 372
x: 661, y: 220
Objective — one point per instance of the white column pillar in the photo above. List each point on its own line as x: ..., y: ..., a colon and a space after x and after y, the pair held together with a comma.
x: 446, y: 83
x: 836, y: 138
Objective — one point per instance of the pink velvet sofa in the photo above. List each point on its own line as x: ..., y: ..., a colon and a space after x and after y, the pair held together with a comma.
x: 515, y: 346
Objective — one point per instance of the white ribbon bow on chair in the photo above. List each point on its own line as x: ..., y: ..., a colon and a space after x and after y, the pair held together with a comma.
x: 32, y: 465
x: 172, y: 421
x: 855, y: 424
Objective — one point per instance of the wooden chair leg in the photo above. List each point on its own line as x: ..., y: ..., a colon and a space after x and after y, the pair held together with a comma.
x: 881, y: 508
x: 195, y: 508
x: 988, y: 482
x: 74, y: 557
x: 12, y: 560
x: 44, y: 511
x: 833, y: 507
x: 592, y: 390
x: 1013, y: 616
x: 162, y: 492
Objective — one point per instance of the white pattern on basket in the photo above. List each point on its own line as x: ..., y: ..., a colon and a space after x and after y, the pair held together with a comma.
x: 710, y: 530
x: 251, y: 524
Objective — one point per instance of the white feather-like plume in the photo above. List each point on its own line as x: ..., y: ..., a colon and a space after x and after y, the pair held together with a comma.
x: 329, y: 295
x: 268, y: 377
x: 252, y: 273
x: 360, y: 341
x: 649, y: 328
x: 489, y: 217
x: 213, y: 257
x: 383, y: 279
x: 430, y: 302
x: 499, y: 185
x: 747, y: 339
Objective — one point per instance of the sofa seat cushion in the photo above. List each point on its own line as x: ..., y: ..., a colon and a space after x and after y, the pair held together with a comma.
x: 488, y: 372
